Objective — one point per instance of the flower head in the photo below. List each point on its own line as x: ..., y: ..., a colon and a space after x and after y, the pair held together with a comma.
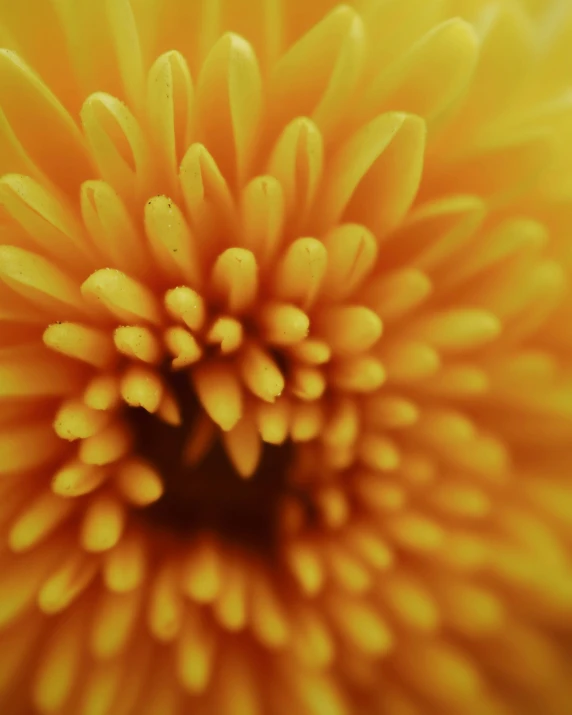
x: 285, y: 379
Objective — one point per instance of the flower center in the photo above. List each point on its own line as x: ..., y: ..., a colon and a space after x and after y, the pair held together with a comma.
x: 206, y: 493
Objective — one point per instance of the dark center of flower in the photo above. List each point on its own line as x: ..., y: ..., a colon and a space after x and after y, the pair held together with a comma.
x: 209, y: 495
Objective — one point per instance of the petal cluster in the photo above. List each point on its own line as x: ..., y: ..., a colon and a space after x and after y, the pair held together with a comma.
x: 341, y: 232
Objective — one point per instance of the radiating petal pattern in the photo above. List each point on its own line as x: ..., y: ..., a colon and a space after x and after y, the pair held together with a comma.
x: 285, y: 357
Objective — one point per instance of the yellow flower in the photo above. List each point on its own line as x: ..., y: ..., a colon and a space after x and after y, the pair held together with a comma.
x: 285, y: 357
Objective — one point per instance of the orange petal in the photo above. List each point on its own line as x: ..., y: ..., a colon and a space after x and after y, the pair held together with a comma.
x: 220, y: 392
x: 235, y: 279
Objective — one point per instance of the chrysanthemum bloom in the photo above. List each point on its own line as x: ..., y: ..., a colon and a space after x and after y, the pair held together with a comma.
x: 285, y: 363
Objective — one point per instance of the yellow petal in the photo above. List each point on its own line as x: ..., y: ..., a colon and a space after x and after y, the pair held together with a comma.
x: 260, y: 373
x: 361, y: 626
x: 457, y: 329
x: 363, y: 373
x: 343, y: 423
x: 124, y: 566
x: 23, y: 88
x: 504, y: 242
x: 445, y: 426
x: 170, y: 105
x: 41, y: 282
x: 306, y: 421
x: 208, y: 200
x: 60, y: 666
x: 283, y: 324
x: 106, y: 446
x: 311, y: 351
x: 102, y: 393
x: 195, y: 655
x: 127, y: 49
x: 370, y: 546
x: 137, y: 342
x: 411, y: 602
x: 312, y: 640
x: 171, y: 241
x: 80, y: 342
x: 220, y: 393
x: 76, y: 479
x: 139, y: 482
x: 396, y: 293
x: 38, y: 520
x: 115, y: 621
x: 244, y: 447
x: 409, y: 360
x: 306, y: 566
x: 22, y: 580
x: 374, y: 176
x: 226, y: 332
x: 538, y: 286
x: 380, y: 496
x: 346, y: 569
x: 318, y: 74
x: 431, y: 75
x: 101, y: 687
x: 73, y: 575
x: 262, y: 213
x: 352, y: 251
x: 14, y: 156
x: 315, y: 692
x: 112, y: 229
x: 456, y: 381
x: 268, y: 616
x: 169, y: 410
x: 446, y: 674
x: 333, y: 507
x: 379, y: 452
x: 103, y: 524
x: 273, y: 421
x: 183, y: 347
x: 202, y: 572
x: 435, y: 233
x: 165, y: 604
x: 118, y: 146
x: 48, y: 221
x: 186, y: 305
x: 348, y: 329
x: 229, y: 101
x: 416, y: 532
x: 391, y: 411
x: 235, y: 279
x: 87, y: 34
x: 125, y: 298
x: 507, y: 33
x: 300, y: 271
x: 75, y: 420
x: 307, y: 382
x: 142, y: 387
x: 470, y: 609
x: 297, y: 162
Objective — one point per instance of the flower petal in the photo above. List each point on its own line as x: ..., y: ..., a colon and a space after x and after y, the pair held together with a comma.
x: 318, y: 74
x: 229, y: 101
x: 429, y: 76
x: 25, y: 97
x: 374, y: 176
x: 170, y: 111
